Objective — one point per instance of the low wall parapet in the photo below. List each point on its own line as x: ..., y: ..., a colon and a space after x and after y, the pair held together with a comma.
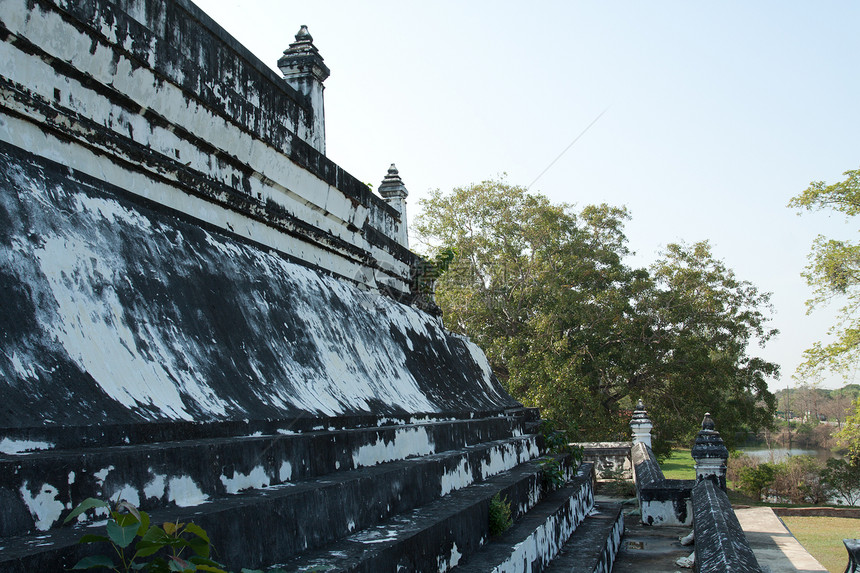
x: 662, y: 501
x: 721, y: 544
x: 609, y: 458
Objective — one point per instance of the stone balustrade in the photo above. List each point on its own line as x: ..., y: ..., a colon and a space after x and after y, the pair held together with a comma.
x: 720, y: 543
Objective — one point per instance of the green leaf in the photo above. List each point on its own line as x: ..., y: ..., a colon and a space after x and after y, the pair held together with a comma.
x: 179, y: 564
x: 88, y: 503
x: 95, y: 562
x: 144, y: 523
x: 90, y: 538
x: 200, y: 547
x: 122, y: 536
x: 130, y: 508
x: 125, y: 519
x: 155, y: 535
x: 198, y: 531
x: 145, y: 549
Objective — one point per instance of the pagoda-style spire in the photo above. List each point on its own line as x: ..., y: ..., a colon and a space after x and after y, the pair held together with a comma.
x: 394, y: 192
x: 304, y: 70
x: 710, y: 453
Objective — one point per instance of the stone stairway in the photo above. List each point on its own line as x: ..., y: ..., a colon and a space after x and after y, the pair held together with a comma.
x: 374, y: 494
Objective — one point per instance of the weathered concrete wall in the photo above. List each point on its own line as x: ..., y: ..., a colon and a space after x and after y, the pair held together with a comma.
x: 171, y: 249
x: 156, y: 98
x: 116, y: 312
x: 610, y: 459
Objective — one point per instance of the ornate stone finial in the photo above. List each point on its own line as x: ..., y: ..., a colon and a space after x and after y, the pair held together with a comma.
x: 392, y: 185
x: 303, y: 35
x: 640, y: 425
x: 710, y: 453
x: 302, y: 58
x: 394, y: 192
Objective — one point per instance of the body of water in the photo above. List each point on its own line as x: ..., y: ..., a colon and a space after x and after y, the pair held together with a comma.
x: 779, y: 454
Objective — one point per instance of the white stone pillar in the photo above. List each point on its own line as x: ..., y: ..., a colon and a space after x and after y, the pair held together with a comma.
x: 304, y: 70
x: 394, y: 192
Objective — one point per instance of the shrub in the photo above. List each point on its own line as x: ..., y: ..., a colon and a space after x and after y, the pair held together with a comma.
x: 157, y: 549
x: 738, y: 461
x: 841, y: 479
x: 500, y: 515
x: 798, y: 480
x: 756, y: 480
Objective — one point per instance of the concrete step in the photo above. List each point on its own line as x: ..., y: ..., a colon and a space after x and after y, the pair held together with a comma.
x: 36, y: 487
x: 437, y: 536
x: 535, y: 540
x: 594, y: 545
x: 310, y: 513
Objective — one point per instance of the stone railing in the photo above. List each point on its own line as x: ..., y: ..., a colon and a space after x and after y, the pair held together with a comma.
x: 720, y: 541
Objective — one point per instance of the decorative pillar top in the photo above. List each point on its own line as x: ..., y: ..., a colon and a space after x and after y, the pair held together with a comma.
x: 709, y: 444
x: 302, y: 57
x: 394, y: 192
x: 641, y: 425
x: 710, y: 454
x: 392, y: 185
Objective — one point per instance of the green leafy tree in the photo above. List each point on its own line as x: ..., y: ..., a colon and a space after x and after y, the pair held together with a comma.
x: 849, y: 435
x: 842, y: 480
x: 570, y: 327
x: 834, y: 273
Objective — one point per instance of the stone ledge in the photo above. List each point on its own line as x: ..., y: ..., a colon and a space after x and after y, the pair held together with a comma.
x: 721, y: 544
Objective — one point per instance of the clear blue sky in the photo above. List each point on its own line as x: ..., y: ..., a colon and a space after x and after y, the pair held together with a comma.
x: 717, y: 114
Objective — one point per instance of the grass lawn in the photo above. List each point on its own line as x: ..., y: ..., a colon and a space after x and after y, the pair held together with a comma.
x: 679, y: 465
x: 822, y: 537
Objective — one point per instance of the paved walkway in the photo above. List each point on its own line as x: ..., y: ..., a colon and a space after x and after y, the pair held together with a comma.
x: 646, y: 549
x: 774, y: 546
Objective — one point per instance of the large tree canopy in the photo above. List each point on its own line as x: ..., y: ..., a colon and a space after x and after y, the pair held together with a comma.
x: 571, y: 328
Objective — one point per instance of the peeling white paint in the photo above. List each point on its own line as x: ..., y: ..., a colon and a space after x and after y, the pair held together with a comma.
x: 127, y: 493
x: 255, y: 479
x: 457, y: 479
x: 43, y: 506
x: 11, y: 447
x: 184, y: 492
x: 407, y: 442
x: 155, y: 487
x: 509, y: 455
x: 102, y: 474
x: 451, y: 561
x: 286, y: 471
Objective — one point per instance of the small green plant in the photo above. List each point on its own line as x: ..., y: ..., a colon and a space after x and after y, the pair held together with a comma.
x: 155, y: 549
x: 552, y: 474
x: 500, y: 515
x: 555, y: 441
